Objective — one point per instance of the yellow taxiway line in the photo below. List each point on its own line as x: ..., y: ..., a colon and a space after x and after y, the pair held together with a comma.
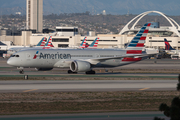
x: 30, y: 90
x: 144, y: 89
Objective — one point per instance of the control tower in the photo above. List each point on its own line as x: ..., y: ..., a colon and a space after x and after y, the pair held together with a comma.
x: 34, y: 15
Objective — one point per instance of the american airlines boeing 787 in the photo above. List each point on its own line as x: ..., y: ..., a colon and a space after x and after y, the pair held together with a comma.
x: 82, y: 60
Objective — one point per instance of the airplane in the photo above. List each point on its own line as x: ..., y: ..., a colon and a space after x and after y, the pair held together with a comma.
x: 81, y: 60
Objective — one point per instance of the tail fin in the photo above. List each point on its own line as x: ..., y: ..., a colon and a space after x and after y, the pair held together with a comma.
x: 83, y: 44
x: 42, y: 42
x: 94, y: 44
x: 137, y: 43
x: 49, y: 43
x: 167, y: 45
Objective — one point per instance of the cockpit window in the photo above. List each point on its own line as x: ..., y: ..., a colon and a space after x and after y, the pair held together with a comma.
x: 14, y: 55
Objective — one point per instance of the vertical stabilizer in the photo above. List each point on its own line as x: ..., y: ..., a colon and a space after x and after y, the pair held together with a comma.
x: 137, y: 43
x: 167, y: 45
x: 49, y: 43
x: 83, y: 44
x: 94, y: 44
x: 42, y: 42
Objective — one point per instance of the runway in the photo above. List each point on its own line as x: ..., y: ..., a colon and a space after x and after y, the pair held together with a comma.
x: 84, y: 82
x: 86, y: 85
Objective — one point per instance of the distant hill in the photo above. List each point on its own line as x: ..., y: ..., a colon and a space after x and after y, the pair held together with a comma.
x: 169, y: 7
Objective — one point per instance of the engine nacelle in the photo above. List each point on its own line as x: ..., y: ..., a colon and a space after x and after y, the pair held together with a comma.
x: 80, y: 66
x: 43, y: 69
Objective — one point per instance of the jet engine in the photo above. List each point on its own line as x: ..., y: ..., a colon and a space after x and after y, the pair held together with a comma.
x: 80, y: 66
x: 43, y: 69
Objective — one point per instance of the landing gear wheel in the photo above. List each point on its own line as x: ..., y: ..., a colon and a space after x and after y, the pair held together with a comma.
x: 21, y: 71
x: 91, y: 72
x: 71, y: 72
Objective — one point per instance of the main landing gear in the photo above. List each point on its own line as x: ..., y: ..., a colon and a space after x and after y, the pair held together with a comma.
x: 88, y: 72
x: 91, y: 72
x: 71, y: 72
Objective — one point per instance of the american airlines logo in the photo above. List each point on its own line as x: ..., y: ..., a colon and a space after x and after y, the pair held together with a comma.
x: 52, y: 56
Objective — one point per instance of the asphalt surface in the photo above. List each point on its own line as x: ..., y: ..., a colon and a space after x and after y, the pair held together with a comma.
x: 86, y: 85
x: 96, y: 85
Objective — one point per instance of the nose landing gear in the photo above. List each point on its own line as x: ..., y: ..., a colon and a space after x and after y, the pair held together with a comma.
x: 21, y: 71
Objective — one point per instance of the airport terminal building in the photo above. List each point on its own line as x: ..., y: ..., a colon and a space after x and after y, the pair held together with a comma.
x: 69, y: 37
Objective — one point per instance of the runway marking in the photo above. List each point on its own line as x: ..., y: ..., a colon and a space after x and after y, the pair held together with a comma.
x: 144, y: 89
x: 30, y: 90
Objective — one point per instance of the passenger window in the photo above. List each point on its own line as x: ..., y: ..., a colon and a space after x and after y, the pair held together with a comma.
x: 17, y: 55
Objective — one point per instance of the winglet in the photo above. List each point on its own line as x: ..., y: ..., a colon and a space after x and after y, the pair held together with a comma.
x: 167, y: 45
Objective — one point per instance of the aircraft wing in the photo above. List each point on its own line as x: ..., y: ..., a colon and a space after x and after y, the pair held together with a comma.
x: 97, y: 60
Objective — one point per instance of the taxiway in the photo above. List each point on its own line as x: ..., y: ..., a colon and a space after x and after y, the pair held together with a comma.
x: 86, y: 85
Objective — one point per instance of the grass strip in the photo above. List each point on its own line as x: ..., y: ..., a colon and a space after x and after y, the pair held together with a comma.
x: 81, y: 102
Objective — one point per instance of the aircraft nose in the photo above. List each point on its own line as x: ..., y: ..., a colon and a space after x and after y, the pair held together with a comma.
x: 10, y: 62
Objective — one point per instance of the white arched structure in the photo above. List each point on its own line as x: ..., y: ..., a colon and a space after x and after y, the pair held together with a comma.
x: 140, y: 16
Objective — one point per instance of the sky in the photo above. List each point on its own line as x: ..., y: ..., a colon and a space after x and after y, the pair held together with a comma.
x: 169, y: 7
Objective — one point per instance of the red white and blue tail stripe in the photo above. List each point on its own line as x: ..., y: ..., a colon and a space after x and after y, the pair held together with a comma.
x: 137, y: 43
x: 49, y: 42
x: 42, y: 42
